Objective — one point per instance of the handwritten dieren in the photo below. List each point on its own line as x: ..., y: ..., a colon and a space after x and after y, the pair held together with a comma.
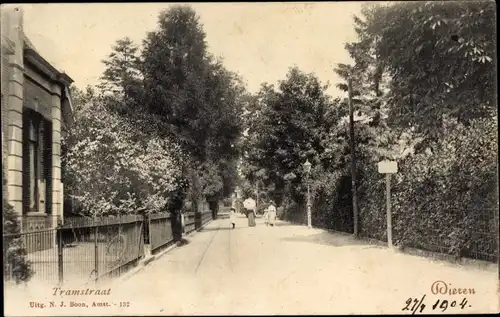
x: 443, y: 288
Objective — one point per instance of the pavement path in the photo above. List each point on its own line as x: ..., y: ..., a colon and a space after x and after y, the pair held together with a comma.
x: 289, y: 269
x: 286, y: 269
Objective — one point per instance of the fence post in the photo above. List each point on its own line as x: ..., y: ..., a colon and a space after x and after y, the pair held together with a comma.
x: 147, y: 235
x: 60, y: 251
x: 146, y: 221
x: 183, y: 223
x: 197, y: 216
x: 96, y: 251
x: 389, y: 214
x: 147, y: 228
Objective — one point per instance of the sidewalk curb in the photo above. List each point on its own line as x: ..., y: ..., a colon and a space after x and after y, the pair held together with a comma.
x: 144, y: 262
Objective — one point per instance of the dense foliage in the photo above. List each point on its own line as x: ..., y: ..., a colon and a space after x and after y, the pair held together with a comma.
x: 445, y: 194
x: 112, y: 168
x: 422, y: 91
x: 16, y: 265
x: 454, y: 190
x: 173, y: 124
x: 198, y: 100
x: 163, y: 126
x: 286, y: 128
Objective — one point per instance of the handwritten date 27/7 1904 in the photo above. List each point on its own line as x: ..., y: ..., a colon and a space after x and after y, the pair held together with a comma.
x: 417, y: 305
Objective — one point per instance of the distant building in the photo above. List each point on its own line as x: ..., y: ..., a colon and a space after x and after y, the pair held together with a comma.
x: 36, y: 104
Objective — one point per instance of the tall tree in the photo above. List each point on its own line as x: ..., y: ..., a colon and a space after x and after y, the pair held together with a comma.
x: 225, y: 97
x: 286, y: 130
x: 197, y: 99
x: 174, y: 68
x: 441, y: 68
x: 122, y: 74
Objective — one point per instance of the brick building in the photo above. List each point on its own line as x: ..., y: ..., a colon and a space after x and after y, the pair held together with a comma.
x: 36, y: 105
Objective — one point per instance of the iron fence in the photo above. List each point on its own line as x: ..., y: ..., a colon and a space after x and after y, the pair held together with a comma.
x: 81, y: 250
x: 189, y: 222
x: 43, y: 261
x: 206, y: 217
x: 95, y: 248
x: 160, y: 231
x: 87, y: 249
x: 464, y: 233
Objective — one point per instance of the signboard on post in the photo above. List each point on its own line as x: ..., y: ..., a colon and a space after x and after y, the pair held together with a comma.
x: 388, y: 168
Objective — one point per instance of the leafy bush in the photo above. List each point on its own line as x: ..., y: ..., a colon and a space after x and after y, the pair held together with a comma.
x: 15, y: 264
x: 112, y: 167
x: 332, y: 205
x: 443, y: 201
x: 372, y: 203
x: 294, y: 212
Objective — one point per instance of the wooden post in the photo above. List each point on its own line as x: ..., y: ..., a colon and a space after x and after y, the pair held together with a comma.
x: 353, y: 160
x: 96, y: 250
x: 388, y: 168
x: 389, y: 214
x: 498, y: 244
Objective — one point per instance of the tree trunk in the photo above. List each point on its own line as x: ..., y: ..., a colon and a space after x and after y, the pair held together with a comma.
x: 214, y: 207
x: 176, y: 225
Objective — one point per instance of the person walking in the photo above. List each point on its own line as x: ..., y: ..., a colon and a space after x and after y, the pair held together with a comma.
x: 250, y: 207
x: 232, y: 217
x: 271, y: 213
x: 232, y: 211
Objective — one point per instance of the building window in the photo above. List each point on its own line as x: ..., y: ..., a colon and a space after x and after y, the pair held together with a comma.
x: 36, y: 167
x: 32, y: 167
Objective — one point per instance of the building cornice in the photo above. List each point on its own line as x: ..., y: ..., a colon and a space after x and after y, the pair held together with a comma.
x: 34, y: 59
x: 55, y: 76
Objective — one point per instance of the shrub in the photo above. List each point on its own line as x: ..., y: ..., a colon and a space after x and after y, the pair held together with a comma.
x: 113, y: 168
x: 15, y: 264
x: 443, y: 201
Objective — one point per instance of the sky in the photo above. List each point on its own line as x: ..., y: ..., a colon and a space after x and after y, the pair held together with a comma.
x: 259, y: 41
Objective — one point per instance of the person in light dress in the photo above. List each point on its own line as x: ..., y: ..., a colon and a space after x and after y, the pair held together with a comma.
x: 271, y: 213
x: 232, y: 217
x: 250, y: 206
x: 232, y: 214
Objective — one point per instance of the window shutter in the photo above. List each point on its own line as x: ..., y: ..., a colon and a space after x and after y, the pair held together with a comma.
x: 26, y: 161
x: 41, y: 149
x: 48, y: 166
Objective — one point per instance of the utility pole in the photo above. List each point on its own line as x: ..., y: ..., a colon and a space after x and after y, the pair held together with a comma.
x: 353, y: 158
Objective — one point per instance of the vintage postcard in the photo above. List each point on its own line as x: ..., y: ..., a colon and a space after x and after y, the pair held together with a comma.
x: 249, y: 158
